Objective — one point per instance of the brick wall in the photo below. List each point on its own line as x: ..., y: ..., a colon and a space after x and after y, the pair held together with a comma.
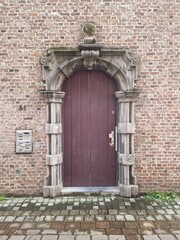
x: 150, y: 29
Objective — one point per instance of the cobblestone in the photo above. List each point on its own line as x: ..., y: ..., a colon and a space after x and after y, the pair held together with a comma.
x: 101, y: 237
x: 66, y: 237
x: 34, y: 237
x: 3, y: 237
x: 167, y: 237
x: 50, y: 237
x: 17, y: 237
x: 152, y: 237
x: 60, y: 222
x: 83, y: 238
x: 117, y: 237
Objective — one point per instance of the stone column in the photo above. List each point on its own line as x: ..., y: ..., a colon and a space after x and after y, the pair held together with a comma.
x: 54, y: 157
x: 125, y: 142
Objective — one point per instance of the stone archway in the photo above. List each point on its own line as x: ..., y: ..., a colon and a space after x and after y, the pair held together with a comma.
x: 121, y: 65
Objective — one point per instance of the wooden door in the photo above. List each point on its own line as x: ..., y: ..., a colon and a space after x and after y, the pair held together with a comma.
x: 88, y: 118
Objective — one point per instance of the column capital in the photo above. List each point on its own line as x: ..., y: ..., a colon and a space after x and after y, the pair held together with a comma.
x: 127, y: 96
x: 53, y: 96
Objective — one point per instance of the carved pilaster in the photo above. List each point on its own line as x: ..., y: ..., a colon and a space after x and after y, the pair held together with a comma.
x: 54, y: 157
x: 125, y: 153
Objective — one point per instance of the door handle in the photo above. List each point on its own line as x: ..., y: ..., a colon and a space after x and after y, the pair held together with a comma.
x: 111, y: 136
x: 116, y: 138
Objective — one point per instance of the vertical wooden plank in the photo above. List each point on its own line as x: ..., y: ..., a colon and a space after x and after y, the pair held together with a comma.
x: 103, y: 130
x: 103, y: 122
x: 94, y: 133
x: 67, y: 166
x: 111, y: 116
x: 76, y: 130
x: 85, y: 128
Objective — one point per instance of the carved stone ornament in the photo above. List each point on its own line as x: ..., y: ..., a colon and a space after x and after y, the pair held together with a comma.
x: 133, y: 58
x: 45, y: 61
x: 89, y: 29
x: 90, y: 58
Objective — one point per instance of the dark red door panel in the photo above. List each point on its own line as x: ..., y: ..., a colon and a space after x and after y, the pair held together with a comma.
x: 88, y: 118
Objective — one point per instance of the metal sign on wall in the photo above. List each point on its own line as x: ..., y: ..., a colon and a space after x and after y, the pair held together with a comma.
x: 23, y: 141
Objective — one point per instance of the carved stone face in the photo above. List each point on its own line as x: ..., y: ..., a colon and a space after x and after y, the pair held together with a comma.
x: 90, y: 58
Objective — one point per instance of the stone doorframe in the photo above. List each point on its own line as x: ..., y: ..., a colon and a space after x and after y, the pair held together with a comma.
x: 59, y: 64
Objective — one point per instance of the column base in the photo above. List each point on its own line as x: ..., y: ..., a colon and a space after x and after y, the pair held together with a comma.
x: 128, y: 191
x: 52, y: 191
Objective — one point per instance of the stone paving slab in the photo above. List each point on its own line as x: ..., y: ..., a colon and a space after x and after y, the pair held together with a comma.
x: 89, y: 218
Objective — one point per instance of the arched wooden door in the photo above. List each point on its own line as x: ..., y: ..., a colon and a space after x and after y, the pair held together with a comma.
x: 88, y: 118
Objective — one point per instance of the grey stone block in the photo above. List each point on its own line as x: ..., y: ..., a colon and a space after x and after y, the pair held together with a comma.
x: 117, y: 237
x: 83, y: 238
x: 66, y: 237
x: 34, y: 237
x: 167, y: 237
x: 17, y: 237
x: 151, y: 237
x: 50, y: 237
x: 100, y: 237
x: 33, y: 232
x: 4, y: 237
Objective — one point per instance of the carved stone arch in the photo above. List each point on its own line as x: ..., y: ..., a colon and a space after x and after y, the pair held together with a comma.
x: 115, y: 72
x: 67, y: 68
x: 58, y: 65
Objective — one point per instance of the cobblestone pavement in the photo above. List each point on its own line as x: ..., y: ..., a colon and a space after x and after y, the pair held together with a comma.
x: 89, y: 218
